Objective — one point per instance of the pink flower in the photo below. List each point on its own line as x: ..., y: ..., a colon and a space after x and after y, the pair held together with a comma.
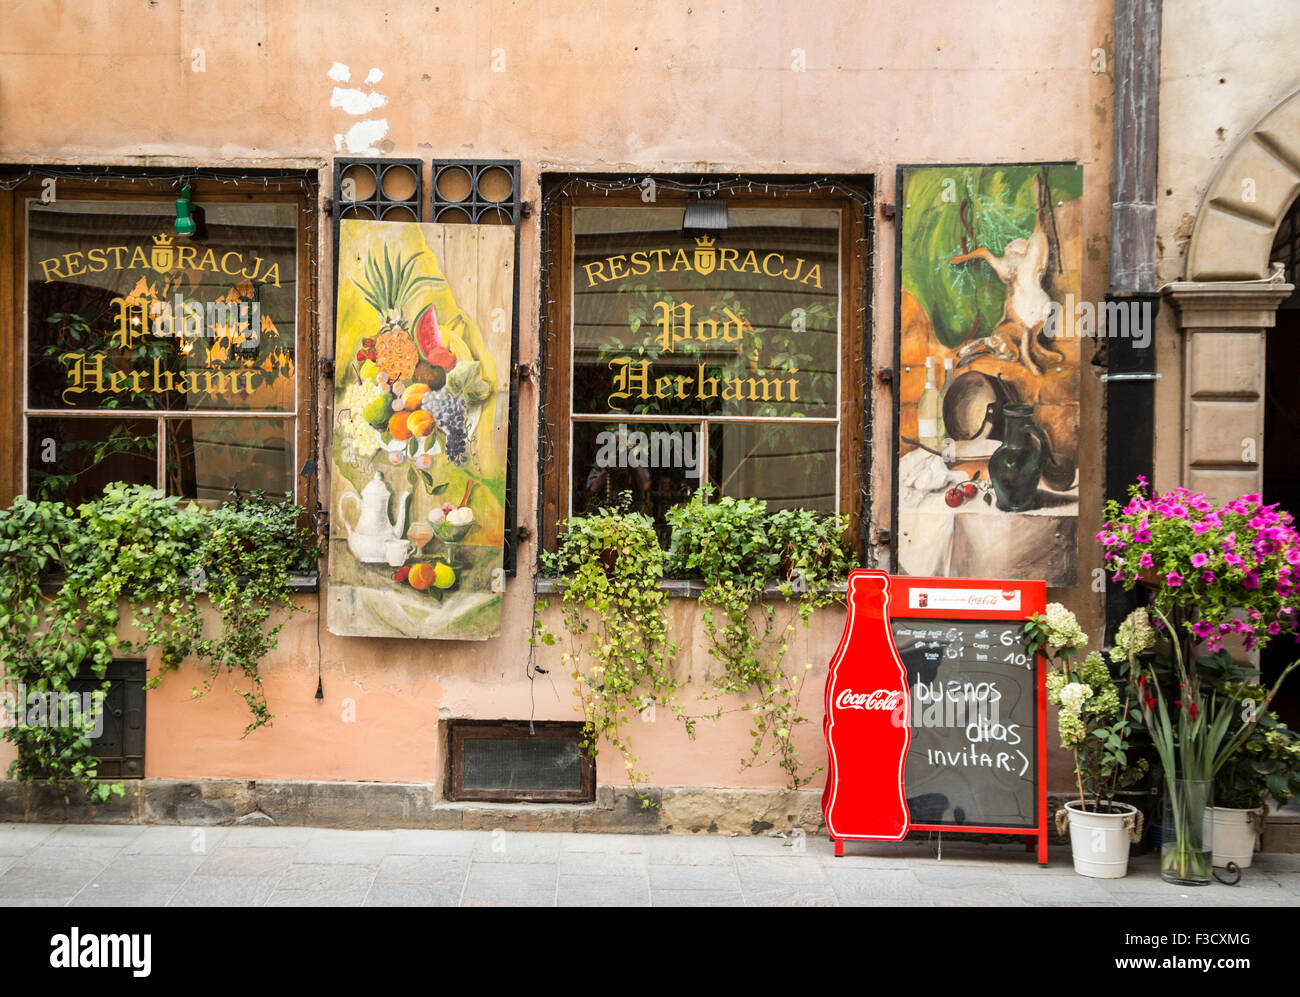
x: 1199, y: 560
x: 1251, y: 580
x: 1203, y: 629
x: 1173, y: 579
x: 1233, y: 560
x: 1142, y: 482
x: 1207, y: 576
x: 1146, y: 561
x: 1274, y: 628
x: 1142, y: 536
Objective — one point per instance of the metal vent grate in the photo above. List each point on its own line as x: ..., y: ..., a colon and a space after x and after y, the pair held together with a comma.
x: 523, y: 763
x: 502, y: 760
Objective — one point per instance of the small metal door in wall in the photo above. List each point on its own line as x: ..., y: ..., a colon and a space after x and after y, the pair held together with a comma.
x: 120, y: 744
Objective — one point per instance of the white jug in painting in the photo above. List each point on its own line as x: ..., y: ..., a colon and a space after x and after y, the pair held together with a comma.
x: 368, y: 536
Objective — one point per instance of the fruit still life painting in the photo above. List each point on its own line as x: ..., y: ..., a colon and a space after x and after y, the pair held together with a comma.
x: 422, y: 355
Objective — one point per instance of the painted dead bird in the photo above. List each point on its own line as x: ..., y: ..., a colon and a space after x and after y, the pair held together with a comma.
x: 1020, y: 268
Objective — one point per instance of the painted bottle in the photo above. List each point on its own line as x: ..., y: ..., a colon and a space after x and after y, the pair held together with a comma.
x: 867, y: 723
x: 928, y: 416
x: 944, y: 438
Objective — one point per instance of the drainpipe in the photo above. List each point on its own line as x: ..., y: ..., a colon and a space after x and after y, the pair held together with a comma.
x: 1130, y: 371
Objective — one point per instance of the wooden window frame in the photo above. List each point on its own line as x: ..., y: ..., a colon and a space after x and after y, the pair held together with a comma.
x: 209, y: 186
x: 554, y: 471
x: 459, y: 731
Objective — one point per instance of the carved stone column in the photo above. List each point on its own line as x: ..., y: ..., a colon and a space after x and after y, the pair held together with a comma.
x: 1223, y: 381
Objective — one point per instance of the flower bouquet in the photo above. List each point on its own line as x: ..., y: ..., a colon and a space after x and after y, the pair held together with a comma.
x: 1224, y: 571
x: 1095, y: 726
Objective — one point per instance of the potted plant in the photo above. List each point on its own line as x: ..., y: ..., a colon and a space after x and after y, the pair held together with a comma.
x: 1267, y: 765
x: 1220, y: 571
x: 1095, y: 727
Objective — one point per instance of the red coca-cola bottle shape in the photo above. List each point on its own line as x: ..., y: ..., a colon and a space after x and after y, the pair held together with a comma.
x: 867, y: 722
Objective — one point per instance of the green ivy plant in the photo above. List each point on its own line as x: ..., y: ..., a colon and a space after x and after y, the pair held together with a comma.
x: 249, y: 546
x: 737, y: 548
x: 44, y: 641
x: 151, y: 552
x: 619, y: 653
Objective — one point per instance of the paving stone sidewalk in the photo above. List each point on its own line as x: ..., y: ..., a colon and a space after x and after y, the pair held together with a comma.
x: 115, y: 865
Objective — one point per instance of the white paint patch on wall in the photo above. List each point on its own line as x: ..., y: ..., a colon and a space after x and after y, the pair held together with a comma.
x: 360, y: 139
x: 362, y: 136
x: 356, y: 101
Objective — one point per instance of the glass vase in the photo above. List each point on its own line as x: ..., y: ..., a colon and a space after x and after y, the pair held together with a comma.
x: 1186, y: 833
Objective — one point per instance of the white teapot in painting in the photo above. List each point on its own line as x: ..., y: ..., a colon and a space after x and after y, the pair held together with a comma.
x: 368, y: 537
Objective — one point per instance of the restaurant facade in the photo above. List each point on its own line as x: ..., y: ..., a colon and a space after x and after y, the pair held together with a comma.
x: 459, y: 274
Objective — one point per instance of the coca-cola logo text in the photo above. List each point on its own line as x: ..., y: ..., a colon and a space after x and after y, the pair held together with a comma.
x: 881, y: 699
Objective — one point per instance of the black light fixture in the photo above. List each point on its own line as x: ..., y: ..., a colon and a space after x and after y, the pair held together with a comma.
x: 704, y: 213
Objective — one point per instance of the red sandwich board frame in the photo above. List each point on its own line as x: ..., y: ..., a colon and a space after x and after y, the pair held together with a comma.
x: 923, y: 598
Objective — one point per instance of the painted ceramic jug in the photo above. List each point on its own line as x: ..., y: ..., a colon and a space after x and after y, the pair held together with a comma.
x: 1016, y: 467
x: 369, y: 535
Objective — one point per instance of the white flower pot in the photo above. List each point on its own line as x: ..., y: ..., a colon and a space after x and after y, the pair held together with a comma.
x: 1235, y: 837
x: 1100, y: 841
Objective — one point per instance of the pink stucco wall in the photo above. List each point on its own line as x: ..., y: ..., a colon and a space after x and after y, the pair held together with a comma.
x: 630, y: 86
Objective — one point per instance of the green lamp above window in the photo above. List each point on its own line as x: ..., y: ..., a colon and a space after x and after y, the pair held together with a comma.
x: 185, y: 224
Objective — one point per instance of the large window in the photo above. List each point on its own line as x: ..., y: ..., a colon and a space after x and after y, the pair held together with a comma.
x: 683, y: 355
x: 155, y: 358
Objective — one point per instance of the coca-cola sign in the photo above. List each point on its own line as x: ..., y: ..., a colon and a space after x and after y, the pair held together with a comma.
x: 881, y: 699
x: 971, y: 599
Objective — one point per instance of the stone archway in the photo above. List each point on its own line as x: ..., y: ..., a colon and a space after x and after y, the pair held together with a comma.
x: 1228, y: 299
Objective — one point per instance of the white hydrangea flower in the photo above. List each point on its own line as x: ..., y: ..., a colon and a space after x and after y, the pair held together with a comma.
x: 1073, y: 695
x: 1134, y: 636
x: 1063, y: 628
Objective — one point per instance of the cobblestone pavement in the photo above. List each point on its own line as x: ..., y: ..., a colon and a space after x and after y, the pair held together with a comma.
x: 110, y: 866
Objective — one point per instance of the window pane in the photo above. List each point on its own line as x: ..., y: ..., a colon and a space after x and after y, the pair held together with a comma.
x: 788, y: 464
x: 123, y: 314
x: 742, y: 322
x: 659, y: 463
x: 71, y: 460
x: 207, y: 458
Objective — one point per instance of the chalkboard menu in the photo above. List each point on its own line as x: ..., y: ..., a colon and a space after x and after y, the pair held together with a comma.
x: 973, y: 689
